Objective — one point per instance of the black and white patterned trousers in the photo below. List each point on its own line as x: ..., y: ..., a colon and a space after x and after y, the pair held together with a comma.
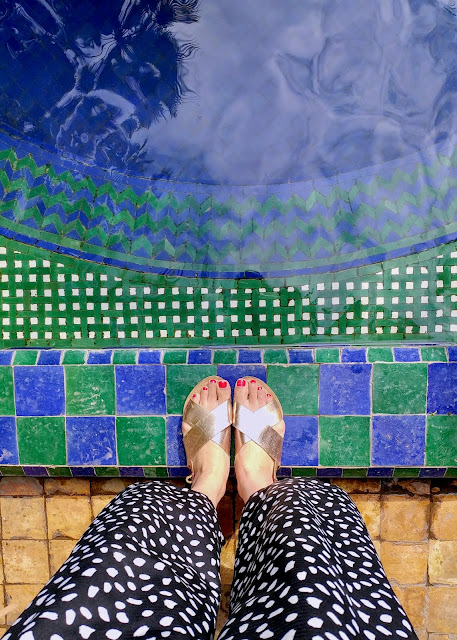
x: 148, y: 567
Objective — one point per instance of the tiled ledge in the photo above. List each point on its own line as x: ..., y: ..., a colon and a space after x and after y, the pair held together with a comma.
x: 349, y: 412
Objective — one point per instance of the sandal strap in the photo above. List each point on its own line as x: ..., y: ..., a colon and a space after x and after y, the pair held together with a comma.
x: 258, y: 426
x: 206, y: 425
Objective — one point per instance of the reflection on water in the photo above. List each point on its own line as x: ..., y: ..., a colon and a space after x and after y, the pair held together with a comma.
x: 237, y: 92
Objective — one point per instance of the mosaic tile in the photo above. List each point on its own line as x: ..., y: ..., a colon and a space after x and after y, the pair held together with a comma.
x: 327, y: 355
x: 345, y: 389
x: 399, y: 388
x: 303, y: 473
x: 432, y: 473
x: 49, y: 357
x: 441, y: 440
x: 107, y: 472
x: 353, y: 355
x: 141, y: 441
x: 231, y: 373
x: 39, y: 390
x: 248, y: 356
x: 25, y: 357
x: 202, y: 356
x: 155, y: 472
x: 452, y: 351
x: 5, y: 358
x: 433, y: 354
x: 174, y: 357
x: 91, y: 441
x: 149, y: 357
x: 406, y: 355
x: 181, y: 379
x: 442, y: 385
x: 301, y: 441
x: 380, y: 354
x: 275, y: 356
x: 11, y: 471
x: 124, y: 356
x: 329, y: 473
x: 41, y: 440
x: 89, y: 390
x: 380, y: 472
x: 99, y: 357
x: 140, y: 390
x: 176, y: 455
x: 296, y: 388
x: 7, y: 407
x: 8, y: 449
x: 406, y: 472
x: 344, y: 441
x: 354, y: 473
x: 131, y: 472
x: 300, y: 356
x: 82, y: 472
x: 74, y: 356
x: 225, y: 356
x: 398, y: 440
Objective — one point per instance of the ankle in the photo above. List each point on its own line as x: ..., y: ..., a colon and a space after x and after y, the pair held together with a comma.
x: 209, y: 482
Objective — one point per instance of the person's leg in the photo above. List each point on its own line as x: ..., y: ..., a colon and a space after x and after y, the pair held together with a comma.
x: 305, y: 567
x: 147, y: 567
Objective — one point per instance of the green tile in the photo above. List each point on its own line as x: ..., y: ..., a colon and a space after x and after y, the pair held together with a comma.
x: 41, y: 440
x: 140, y: 440
x: 354, y: 473
x: 59, y: 472
x: 90, y: 390
x: 155, y: 472
x: 224, y: 356
x: 451, y: 473
x: 107, y: 472
x: 380, y: 354
x: 296, y: 387
x: 433, y: 354
x: 406, y: 472
x: 399, y: 388
x: 181, y: 379
x: 175, y: 356
x: 344, y: 441
x: 124, y: 356
x: 25, y: 356
x: 327, y: 355
x: 303, y: 472
x: 441, y: 445
x: 11, y: 471
x: 74, y: 356
x: 6, y: 392
x: 275, y: 356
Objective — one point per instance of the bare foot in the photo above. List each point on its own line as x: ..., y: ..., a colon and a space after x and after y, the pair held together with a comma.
x: 211, y: 465
x: 254, y: 468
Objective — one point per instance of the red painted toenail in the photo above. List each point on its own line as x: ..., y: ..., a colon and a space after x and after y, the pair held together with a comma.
x: 194, y: 396
x: 222, y: 384
x: 253, y: 381
x: 268, y: 395
x: 259, y: 388
x: 213, y: 381
x: 205, y: 389
x: 241, y: 383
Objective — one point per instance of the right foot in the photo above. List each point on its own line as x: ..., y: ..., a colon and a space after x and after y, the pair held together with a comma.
x: 254, y: 468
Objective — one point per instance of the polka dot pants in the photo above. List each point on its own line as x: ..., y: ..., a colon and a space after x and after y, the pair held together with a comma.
x: 148, y: 567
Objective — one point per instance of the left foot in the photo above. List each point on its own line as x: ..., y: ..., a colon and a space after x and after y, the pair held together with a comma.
x: 211, y: 465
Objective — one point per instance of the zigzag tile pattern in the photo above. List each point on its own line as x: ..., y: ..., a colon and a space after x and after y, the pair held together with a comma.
x: 351, y: 219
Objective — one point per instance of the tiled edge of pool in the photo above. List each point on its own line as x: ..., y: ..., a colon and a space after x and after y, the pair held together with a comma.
x: 350, y: 411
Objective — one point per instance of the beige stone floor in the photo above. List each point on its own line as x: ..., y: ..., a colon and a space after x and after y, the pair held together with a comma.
x: 413, y: 524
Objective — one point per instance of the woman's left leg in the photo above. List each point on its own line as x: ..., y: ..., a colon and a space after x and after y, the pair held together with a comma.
x: 147, y: 567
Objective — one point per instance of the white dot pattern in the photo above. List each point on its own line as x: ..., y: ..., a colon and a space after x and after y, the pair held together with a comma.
x: 148, y: 567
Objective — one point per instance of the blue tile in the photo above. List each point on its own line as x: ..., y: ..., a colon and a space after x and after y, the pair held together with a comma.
x: 231, y: 372
x: 83, y: 472
x: 329, y: 473
x: 353, y: 355
x: 39, y: 391
x: 196, y: 356
x: 300, y: 356
x: 6, y: 357
x: 382, y: 472
x: 34, y: 471
x: 176, y: 456
x: 91, y: 441
x: 301, y: 441
x: 149, y: 357
x: 452, y: 351
x: 406, y: 355
x: 284, y: 472
x: 345, y: 389
x: 398, y: 440
x: 442, y: 388
x: 140, y: 390
x: 49, y: 357
x: 131, y: 472
x: 249, y: 356
x: 432, y: 473
x: 8, y: 440
x: 99, y: 357
x: 178, y: 472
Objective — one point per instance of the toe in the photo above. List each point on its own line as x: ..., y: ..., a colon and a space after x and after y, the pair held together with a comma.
x: 223, y: 391
x: 253, y: 400
x: 204, y: 396
x: 240, y: 393
x: 212, y: 393
x: 261, y: 396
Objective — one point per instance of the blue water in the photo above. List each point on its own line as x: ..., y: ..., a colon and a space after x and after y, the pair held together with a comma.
x: 237, y: 92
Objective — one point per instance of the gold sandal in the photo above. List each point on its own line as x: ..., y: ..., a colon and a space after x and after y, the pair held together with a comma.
x: 259, y: 425
x: 206, y: 425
